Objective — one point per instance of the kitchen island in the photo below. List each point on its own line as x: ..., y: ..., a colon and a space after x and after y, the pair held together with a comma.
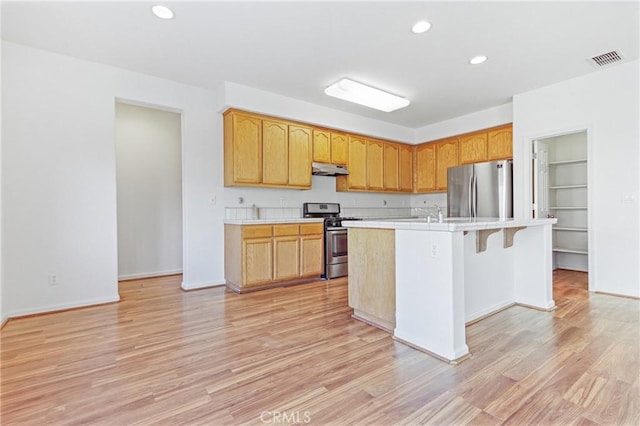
x: 425, y: 281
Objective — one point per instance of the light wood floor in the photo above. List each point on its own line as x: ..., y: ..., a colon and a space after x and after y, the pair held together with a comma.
x: 164, y: 356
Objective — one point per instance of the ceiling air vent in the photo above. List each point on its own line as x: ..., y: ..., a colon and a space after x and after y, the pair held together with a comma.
x: 606, y: 58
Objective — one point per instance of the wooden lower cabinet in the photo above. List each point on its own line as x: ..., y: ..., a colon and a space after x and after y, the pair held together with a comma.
x: 311, y: 255
x: 372, y: 276
x: 286, y: 265
x: 257, y: 266
x: 264, y: 256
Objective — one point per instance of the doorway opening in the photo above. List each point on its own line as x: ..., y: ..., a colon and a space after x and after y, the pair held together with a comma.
x: 561, y: 190
x: 149, y: 191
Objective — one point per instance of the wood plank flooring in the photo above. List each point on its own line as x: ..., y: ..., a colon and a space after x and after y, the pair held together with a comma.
x: 294, y: 355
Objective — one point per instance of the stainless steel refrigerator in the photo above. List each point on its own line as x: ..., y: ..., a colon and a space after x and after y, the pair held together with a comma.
x: 481, y: 190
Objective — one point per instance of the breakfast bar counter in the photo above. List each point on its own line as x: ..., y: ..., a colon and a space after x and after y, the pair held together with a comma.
x: 425, y: 281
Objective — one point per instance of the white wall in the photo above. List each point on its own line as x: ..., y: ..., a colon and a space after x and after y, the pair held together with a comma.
x: 149, y: 191
x: 59, y: 186
x: 606, y: 104
x: 3, y: 312
x: 255, y: 100
x: 490, y: 117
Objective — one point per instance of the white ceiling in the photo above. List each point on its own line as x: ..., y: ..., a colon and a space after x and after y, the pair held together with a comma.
x: 298, y: 48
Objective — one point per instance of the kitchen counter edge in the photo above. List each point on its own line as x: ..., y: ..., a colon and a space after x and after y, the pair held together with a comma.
x: 449, y: 225
x: 271, y: 221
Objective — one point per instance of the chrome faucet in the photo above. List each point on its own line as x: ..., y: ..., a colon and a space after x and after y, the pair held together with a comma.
x: 440, y: 215
x: 430, y: 214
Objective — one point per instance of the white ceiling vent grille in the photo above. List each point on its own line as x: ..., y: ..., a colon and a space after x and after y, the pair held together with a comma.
x: 606, y: 58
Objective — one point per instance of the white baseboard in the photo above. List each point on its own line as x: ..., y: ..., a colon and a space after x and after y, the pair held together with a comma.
x: 197, y: 286
x: 148, y: 275
x: 62, y: 306
x: 476, y: 316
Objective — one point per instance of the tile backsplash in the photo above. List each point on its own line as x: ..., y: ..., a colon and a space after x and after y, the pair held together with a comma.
x: 296, y: 212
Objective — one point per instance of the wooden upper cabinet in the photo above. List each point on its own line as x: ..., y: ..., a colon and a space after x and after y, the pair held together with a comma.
x: 329, y: 147
x: 339, y: 149
x: 390, y: 166
x: 322, y: 146
x: 405, y: 168
x: 500, y: 143
x: 242, y: 149
x: 425, y: 167
x: 357, y: 178
x: 473, y: 148
x: 275, y: 153
x: 446, y: 156
x: 375, y: 165
x: 300, y: 146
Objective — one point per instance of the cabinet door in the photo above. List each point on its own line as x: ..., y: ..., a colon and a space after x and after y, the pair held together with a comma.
x: 285, y: 258
x: 500, y: 143
x: 275, y: 153
x: 311, y: 255
x: 357, y: 178
x: 321, y: 146
x: 300, y: 156
x: 257, y: 261
x: 405, y: 168
x: 247, y: 149
x: 391, y: 161
x: 339, y: 150
x: 446, y: 156
x: 426, y: 167
x: 375, y: 165
x: 473, y: 148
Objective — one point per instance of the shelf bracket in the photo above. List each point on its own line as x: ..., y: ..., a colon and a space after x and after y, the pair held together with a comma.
x: 481, y: 238
x: 508, y: 235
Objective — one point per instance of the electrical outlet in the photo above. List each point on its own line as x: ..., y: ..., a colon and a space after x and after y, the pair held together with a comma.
x: 240, y: 200
x: 282, y: 201
x: 53, y: 279
x: 434, y: 250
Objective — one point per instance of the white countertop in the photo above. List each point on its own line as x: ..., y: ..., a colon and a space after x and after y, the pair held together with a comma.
x: 272, y: 220
x: 449, y: 225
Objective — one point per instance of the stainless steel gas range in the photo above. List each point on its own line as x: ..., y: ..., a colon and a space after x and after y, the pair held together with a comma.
x: 336, y: 247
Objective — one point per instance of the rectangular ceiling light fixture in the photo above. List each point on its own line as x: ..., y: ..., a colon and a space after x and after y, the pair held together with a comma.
x: 359, y: 93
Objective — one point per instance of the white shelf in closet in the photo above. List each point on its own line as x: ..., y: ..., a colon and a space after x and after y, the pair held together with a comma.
x: 568, y: 186
x: 569, y: 208
x: 566, y: 250
x: 567, y: 162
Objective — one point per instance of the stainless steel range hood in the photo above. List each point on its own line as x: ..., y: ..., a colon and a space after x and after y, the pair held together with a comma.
x: 322, y: 169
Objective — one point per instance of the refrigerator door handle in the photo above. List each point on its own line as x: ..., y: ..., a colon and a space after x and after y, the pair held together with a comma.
x: 475, y: 196
x: 471, y: 195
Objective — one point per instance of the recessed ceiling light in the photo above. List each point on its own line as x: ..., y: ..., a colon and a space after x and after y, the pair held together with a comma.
x: 362, y: 94
x: 477, y: 60
x: 421, y: 27
x: 162, y: 12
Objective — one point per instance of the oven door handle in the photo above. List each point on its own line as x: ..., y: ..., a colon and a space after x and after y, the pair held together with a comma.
x: 337, y: 230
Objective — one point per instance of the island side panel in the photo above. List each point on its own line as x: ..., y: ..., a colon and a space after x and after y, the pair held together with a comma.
x: 533, y: 261
x: 430, y: 292
x: 488, y: 276
x: 372, y: 274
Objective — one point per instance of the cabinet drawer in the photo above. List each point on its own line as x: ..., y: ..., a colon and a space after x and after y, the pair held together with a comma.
x: 311, y: 228
x: 256, y: 231
x: 284, y: 230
